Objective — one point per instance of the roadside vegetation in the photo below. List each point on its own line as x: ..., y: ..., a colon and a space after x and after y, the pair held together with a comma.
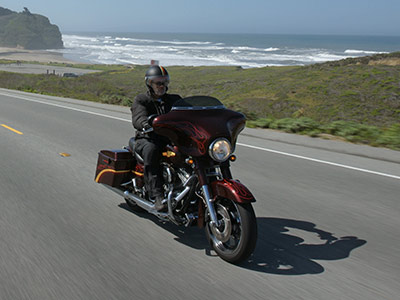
x: 356, y: 99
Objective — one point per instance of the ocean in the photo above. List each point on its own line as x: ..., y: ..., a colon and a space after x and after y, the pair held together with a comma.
x: 245, y: 50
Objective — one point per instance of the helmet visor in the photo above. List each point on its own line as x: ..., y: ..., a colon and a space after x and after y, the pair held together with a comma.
x: 160, y: 81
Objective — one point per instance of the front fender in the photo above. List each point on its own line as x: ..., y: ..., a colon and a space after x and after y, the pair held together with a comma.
x: 233, y: 190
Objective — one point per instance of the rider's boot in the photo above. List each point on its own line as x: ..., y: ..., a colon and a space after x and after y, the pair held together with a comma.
x: 159, y: 205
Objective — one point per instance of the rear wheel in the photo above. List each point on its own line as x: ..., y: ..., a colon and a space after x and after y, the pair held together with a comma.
x: 236, y: 236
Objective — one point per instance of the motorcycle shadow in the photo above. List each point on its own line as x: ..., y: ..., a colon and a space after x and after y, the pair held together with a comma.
x: 192, y: 237
x: 289, y: 247
x: 284, y: 246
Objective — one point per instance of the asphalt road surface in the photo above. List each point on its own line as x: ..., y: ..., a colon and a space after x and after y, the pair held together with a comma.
x: 327, y: 213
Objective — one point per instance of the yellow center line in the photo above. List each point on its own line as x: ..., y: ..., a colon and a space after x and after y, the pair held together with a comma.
x: 12, y: 129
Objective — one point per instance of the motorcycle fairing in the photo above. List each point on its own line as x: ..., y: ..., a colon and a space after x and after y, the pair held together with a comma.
x: 233, y: 190
x: 194, y: 130
x: 191, y: 138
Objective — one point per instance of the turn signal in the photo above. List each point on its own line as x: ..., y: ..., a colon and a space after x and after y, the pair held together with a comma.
x: 189, y: 161
x: 169, y: 154
x: 232, y: 158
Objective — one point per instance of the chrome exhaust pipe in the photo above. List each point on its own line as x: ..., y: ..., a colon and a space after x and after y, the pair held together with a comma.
x: 150, y: 207
x: 146, y: 205
x: 139, y: 201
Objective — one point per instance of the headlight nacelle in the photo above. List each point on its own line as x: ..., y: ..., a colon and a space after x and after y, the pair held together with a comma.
x: 220, y: 150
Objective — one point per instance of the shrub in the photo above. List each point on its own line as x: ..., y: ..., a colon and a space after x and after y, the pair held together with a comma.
x: 295, y: 125
x: 262, y: 123
x: 353, y: 132
x: 126, y: 101
x: 340, y: 128
x: 390, y: 137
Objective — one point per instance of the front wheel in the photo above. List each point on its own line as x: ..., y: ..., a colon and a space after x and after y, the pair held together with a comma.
x: 236, y: 236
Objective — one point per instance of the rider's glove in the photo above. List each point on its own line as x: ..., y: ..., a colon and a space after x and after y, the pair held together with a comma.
x: 147, y: 128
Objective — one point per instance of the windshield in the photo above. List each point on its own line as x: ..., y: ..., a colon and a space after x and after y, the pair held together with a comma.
x: 198, y: 103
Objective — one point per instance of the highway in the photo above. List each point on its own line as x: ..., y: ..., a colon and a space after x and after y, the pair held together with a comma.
x: 327, y: 213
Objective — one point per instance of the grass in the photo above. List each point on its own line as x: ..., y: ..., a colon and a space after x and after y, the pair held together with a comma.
x: 357, y: 98
x: 351, y: 131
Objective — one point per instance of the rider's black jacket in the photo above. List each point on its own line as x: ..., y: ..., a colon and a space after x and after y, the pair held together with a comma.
x: 145, y: 105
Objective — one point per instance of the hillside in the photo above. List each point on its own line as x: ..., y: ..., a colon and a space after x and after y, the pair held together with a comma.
x: 355, y: 98
x: 28, y: 31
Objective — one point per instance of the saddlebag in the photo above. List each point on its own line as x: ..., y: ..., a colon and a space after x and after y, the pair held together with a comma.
x: 114, y: 167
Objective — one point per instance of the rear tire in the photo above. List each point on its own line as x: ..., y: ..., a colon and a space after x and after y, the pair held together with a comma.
x: 235, y: 239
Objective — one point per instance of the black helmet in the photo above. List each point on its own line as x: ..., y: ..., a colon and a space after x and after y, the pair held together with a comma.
x: 156, y: 72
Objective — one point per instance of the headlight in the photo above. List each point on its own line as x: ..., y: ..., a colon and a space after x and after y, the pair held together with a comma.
x: 220, y: 150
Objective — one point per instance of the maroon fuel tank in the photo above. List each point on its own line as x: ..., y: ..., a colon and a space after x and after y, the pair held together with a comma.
x: 193, y: 128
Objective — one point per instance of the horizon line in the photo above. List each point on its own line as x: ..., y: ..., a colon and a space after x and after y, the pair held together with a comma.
x: 229, y: 33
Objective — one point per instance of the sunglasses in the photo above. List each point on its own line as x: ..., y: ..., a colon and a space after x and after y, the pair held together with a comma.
x: 160, y: 83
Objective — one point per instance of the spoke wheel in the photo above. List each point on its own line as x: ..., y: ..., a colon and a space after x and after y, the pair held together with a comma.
x: 235, y: 237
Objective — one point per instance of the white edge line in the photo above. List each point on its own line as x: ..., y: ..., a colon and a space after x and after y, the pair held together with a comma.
x: 319, y: 161
x: 67, y: 107
x: 240, y: 144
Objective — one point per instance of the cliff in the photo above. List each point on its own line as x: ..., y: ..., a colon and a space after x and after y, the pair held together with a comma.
x: 28, y: 31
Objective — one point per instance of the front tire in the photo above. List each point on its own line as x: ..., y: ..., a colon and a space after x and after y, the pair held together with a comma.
x: 235, y: 239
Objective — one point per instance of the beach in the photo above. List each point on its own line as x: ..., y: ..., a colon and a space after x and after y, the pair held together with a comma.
x: 21, y: 61
x: 42, y: 56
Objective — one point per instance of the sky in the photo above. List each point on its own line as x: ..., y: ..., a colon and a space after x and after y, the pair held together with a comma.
x: 349, y: 17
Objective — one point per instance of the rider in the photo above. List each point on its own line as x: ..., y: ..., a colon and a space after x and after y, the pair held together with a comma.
x: 149, y: 145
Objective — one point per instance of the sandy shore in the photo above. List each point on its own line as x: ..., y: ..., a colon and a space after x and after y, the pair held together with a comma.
x: 42, y: 56
x: 24, y: 57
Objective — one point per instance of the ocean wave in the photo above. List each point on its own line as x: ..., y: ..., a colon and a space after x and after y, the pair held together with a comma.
x: 236, y: 50
x: 184, y: 43
x: 351, y: 51
x: 271, y: 49
x: 120, y: 49
x: 321, y: 57
x: 175, y: 42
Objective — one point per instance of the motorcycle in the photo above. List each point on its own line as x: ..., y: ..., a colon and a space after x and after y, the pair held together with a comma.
x: 198, y: 185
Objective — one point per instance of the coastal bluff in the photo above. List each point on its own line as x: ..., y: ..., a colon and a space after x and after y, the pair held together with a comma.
x: 28, y: 31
